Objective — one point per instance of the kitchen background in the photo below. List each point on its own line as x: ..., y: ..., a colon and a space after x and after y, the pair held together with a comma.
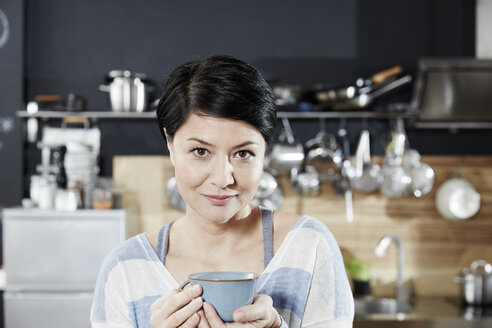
x: 59, y: 47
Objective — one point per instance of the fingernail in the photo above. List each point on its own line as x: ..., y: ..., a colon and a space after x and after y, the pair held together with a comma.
x: 197, y: 300
x: 207, y: 306
x: 238, y: 316
x: 195, y: 289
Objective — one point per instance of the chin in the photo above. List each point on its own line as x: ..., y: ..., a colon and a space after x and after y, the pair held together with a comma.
x: 219, y: 214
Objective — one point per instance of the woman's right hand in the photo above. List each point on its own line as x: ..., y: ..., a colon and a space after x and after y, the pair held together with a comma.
x: 177, y: 308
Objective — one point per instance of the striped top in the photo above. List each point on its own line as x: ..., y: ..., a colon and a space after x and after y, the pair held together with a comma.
x: 306, y: 279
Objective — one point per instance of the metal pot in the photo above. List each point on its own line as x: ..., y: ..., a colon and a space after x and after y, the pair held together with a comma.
x: 269, y: 193
x: 128, y: 92
x: 286, y: 157
x: 477, y: 283
x: 457, y: 199
x: 287, y: 94
x: 173, y: 196
x: 324, y: 155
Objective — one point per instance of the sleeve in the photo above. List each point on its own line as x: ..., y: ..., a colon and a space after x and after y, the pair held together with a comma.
x: 330, y: 302
x: 109, y: 304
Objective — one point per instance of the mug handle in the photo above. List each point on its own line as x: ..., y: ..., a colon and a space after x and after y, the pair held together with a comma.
x: 183, y: 285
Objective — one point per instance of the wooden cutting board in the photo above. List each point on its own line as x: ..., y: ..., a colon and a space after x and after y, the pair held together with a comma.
x: 144, y: 180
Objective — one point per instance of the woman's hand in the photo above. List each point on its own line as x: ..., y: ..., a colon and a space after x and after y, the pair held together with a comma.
x: 260, y: 314
x: 177, y: 308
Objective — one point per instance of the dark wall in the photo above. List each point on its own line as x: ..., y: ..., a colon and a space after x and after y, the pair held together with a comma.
x: 11, y: 87
x: 71, y: 46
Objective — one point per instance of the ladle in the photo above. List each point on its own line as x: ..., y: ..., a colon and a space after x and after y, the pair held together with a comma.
x: 367, y: 175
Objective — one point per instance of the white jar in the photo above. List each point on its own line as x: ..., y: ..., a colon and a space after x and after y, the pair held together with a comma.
x: 47, y: 191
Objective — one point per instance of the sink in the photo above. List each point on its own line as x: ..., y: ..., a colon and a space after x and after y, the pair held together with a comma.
x: 380, y: 305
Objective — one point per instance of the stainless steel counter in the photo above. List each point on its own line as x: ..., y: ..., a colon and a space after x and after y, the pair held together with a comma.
x: 431, y: 312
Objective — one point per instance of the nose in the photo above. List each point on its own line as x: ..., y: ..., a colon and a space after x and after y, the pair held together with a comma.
x: 221, y: 174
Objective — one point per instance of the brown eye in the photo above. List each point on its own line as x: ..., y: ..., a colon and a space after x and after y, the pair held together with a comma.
x: 199, y: 152
x: 244, y: 154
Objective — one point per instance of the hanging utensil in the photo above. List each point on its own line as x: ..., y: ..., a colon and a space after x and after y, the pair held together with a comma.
x: 367, y: 176
x: 287, y: 155
x: 395, y: 181
x: 324, y: 155
x: 456, y: 198
x: 307, y: 182
x: 269, y: 193
x: 342, y: 185
x: 421, y: 174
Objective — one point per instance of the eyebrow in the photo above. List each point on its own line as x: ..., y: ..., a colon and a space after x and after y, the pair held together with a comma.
x: 246, y: 143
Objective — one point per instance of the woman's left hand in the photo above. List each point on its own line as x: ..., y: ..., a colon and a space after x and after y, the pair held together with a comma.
x: 260, y: 314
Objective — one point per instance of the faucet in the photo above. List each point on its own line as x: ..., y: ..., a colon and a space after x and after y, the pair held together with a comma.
x: 380, y: 251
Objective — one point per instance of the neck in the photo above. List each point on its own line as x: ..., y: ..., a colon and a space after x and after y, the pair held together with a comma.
x: 206, y: 235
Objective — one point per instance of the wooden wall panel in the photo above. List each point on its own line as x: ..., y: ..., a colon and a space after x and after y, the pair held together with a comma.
x: 435, y: 248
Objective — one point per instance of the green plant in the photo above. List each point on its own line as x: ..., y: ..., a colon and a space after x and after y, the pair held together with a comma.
x: 358, y: 269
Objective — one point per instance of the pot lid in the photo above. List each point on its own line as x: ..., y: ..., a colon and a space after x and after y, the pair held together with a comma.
x: 478, y: 268
x: 125, y: 73
x: 481, y: 266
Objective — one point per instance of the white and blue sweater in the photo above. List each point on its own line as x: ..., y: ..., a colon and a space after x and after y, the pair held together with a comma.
x: 306, y: 279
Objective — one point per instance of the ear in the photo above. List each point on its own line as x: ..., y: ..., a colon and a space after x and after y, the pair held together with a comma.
x: 169, y: 147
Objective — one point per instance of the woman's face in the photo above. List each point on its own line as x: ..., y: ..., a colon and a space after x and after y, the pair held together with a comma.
x: 218, y: 165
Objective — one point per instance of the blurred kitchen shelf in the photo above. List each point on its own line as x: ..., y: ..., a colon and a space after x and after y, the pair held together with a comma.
x: 453, y: 125
x: 94, y: 115
x: 345, y: 114
x: 87, y: 114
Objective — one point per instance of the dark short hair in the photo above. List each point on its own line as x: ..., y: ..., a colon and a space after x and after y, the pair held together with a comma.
x: 218, y: 86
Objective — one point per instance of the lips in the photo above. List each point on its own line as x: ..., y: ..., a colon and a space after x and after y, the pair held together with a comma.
x: 219, y: 200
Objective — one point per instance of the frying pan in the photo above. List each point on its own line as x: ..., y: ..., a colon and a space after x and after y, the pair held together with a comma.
x: 365, y: 99
x: 362, y: 86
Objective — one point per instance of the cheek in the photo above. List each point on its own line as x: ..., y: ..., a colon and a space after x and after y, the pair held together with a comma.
x: 187, y: 174
x: 256, y: 176
x: 250, y: 177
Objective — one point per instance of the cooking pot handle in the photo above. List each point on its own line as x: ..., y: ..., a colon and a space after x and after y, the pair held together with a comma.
x: 459, y: 280
x: 487, y: 267
x: 104, y: 88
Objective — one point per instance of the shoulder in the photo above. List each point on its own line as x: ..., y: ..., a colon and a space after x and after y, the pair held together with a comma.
x: 310, y: 226
x: 287, y: 222
x: 282, y: 224
x: 284, y: 221
x: 134, y: 248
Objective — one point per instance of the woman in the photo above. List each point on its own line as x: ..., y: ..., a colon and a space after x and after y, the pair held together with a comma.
x: 217, y: 117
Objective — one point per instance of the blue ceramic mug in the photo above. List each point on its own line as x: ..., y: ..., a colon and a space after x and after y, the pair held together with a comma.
x: 225, y: 290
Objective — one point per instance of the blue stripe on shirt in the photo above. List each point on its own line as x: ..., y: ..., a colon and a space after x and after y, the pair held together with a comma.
x: 128, y: 250
x: 139, y: 311
x: 288, y: 287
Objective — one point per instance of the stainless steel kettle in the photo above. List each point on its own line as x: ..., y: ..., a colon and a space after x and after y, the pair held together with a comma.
x: 128, y: 91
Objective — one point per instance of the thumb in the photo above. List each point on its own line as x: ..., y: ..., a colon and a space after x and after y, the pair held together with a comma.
x: 256, y: 311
